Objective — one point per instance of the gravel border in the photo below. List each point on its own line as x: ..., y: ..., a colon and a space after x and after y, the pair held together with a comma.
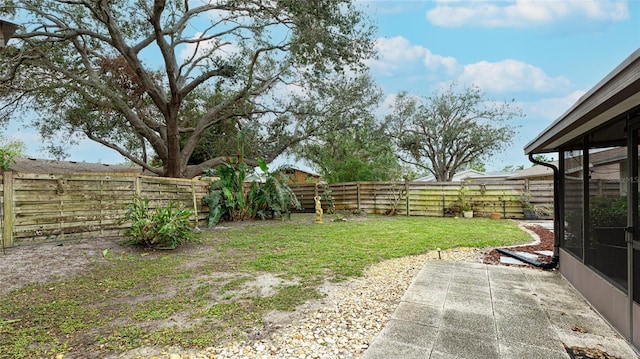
x: 341, y: 326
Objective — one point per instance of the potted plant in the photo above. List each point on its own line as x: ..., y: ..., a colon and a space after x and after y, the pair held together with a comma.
x: 524, y: 197
x: 465, y: 202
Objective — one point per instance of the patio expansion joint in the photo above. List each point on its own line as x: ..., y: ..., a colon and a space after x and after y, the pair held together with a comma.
x: 493, y: 308
x: 440, y: 326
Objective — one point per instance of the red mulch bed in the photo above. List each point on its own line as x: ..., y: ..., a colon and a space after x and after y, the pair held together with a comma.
x: 546, y: 244
x: 588, y: 353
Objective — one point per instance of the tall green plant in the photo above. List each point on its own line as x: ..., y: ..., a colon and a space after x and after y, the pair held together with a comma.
x: 274, y: 197
x: 608, y: 211
x: 226, y: 198
x: 464, y: 200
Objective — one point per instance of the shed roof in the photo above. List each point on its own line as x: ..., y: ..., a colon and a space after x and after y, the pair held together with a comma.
x: 44, y: 166
x: 616, y: 94
x: 533, y: 172
x: 469, y: 174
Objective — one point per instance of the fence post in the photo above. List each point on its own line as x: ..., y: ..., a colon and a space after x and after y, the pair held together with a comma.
x: 195, y: 201
x: 599, y: 191
x: 137, y: 183
x: 7, y: 194
x: 444, y: 203
x: 358, y: 196
x: 406, y: 195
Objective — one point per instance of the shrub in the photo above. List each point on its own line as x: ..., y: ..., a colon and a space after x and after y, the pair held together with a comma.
x: 164, y: 228
x: 524, y: 197
x: 329, y: 200
x: 608, y: 211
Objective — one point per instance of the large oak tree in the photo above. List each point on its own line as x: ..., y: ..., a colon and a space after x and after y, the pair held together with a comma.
x: 162, y: 75
x: 450, y: 130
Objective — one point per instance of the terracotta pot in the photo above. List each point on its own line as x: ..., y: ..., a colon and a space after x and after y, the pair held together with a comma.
x: 495, y: 215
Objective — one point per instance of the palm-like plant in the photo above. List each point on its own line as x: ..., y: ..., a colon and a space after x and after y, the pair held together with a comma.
x: 274, y: 197
x: 227, y: 198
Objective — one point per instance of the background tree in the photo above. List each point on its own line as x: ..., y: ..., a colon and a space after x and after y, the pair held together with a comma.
x: 542, y: 158
x: 449, y: 130
x: 360, y: 153
x: 475, y: 165
x: 121, y: 72
x: 355, y: 146
x: 512, y: 168
x: 9, y: 150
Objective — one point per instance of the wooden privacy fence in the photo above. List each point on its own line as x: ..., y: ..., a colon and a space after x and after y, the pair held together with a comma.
x: 45, y: 207
x: 427, y: 198
x: 48, y: 207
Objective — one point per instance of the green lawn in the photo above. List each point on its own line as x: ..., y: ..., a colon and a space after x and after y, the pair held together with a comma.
x: 200, y: 294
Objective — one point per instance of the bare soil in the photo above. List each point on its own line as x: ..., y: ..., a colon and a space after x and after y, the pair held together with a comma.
x: 54, y: 261
x: 44, y: 262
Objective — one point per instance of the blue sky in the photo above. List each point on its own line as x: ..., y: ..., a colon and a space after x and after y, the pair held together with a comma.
x: 544, y: 54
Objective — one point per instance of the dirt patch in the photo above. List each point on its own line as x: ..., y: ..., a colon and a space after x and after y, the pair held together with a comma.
x: 265, y: 285
x: 588, y: 353
x: 44, y: 262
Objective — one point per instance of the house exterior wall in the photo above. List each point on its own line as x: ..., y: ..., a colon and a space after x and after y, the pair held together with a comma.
x: 608, y: 300
x: 597, y: 140
x: 301, y: 177
x: 596, y: 207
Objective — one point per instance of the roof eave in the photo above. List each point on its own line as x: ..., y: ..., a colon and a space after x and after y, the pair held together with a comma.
x: 617, y: 93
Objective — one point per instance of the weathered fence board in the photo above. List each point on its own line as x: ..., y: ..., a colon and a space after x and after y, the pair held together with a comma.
x: 427, y: 198
x: 44, y: 207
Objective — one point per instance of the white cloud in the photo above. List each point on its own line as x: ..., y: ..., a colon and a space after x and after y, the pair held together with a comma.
x: 398, y: 57
x: 511, y: 75
x: 394, y: 54
x: 524, y: 13
x: 386, y: 107
x: 551, y: 108
x: 397, y: 54
x: 435, y: 62
x: 398, y: 49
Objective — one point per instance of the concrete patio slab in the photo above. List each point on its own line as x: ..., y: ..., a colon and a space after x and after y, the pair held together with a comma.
x: 467, y: 310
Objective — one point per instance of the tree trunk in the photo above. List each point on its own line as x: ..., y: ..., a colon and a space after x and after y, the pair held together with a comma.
x: 173, y: 166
